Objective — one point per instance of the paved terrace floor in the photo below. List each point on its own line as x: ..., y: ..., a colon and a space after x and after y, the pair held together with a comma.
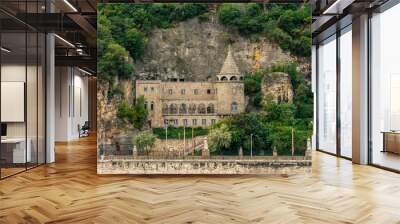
x: 70, y: 191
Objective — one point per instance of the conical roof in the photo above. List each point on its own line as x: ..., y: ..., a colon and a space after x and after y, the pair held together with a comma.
x: 229, y: 67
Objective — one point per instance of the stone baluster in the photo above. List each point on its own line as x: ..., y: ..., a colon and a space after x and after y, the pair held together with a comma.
x: 205, y: 151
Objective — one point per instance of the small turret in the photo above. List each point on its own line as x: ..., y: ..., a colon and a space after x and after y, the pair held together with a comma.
x: 229, y: 70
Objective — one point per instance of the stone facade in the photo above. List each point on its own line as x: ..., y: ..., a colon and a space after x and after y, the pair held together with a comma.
x: 194, y: 104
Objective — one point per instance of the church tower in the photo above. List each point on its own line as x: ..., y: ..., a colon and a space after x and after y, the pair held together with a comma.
x: 229, y: 70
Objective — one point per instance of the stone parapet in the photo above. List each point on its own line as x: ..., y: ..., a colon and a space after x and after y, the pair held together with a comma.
x: 204, y: 166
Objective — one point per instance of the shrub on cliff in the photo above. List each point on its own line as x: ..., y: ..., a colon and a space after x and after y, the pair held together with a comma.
x: 114, y: 63
x: 136, y: 114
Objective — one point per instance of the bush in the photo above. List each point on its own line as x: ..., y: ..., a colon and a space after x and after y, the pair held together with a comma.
x: 136, y: 114
x: 125, y: 111
x: 144, y: 141
x: 280, y: 112
x: 140, y: 113
x: 219, y: 139
x: 229, y: 14
x: 114, y: 63
x: 135, y: 42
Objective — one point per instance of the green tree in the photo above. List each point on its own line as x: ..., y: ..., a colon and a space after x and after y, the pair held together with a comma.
x: 280, y: 112
x: 125, y: 111
x: 135, y: 43
x: 144, y: 141
x: 229, y: 14
x: 140, y: 113
x: 219, y: 138
x: 104, y: 36
x: 136, y: 115
x: 115, y: 62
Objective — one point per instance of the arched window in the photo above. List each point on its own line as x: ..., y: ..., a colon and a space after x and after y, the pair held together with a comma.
x: 233, y: 78
x: 192, y: 108
x: 210, y: 108
x: 182, y: 109
x: 152, y: 106
x: 165, y: 109
x: 224, y: 78
x: 173, y: 109
x: 241, y: 78
x: 234, y: 107
x: 145, y: 105
x: 202, y: 109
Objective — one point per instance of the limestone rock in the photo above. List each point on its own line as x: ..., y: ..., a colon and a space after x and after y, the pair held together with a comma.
x: 196, y: 51
x: 278, y: 86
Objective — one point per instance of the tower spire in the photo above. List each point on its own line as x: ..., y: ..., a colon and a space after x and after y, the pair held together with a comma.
x: 229, y: 67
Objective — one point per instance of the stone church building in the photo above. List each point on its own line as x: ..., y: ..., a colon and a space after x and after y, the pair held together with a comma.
x: 194, y: 104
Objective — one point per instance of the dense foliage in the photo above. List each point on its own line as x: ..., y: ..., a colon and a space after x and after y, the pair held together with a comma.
x: 219, y: 138
x: 302, y: 95
x: 288, y: 25
x: 262, y: 132
x: 272, y: 125
x: 144, y: 141
x: 133, y: 114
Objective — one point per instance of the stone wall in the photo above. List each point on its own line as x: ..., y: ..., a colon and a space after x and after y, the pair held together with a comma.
x: 146, y: 166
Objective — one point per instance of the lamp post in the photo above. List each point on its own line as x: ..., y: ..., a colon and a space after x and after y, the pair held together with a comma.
x: 184, y: 139
x: 193, y: 143
x: 166, y: 134
x: 251, y: 145
x: 292, y: 141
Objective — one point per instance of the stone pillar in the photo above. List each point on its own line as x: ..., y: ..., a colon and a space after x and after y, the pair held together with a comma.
x: 274, y: 152
x: 360, y: 90
x: 241, y: 152
x: 205, y: 152
x: 50, y: 93
x: 134, y: 152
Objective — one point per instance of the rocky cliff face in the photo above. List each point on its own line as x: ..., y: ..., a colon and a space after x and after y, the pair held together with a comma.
x: 195, y: 50
x: 278, y: 86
